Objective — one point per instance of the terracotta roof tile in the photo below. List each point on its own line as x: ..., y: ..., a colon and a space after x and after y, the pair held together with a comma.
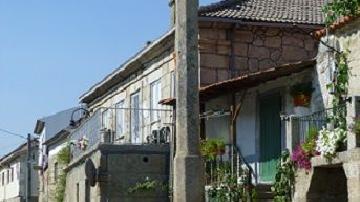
x: 290, y: 11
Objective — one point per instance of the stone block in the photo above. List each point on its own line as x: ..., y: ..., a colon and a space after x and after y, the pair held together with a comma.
x: 293, y: 53
x: 266, y: 63
x: 274, y: 42
x: 309, y: 44
x: 207, y: 75
x: 241, y: 63
x: 208, y: 33
x: 223, y: 75
x: 259, y: 52
x: 214, y: 60
x: 253, y: 65
x: 223, y: 49
x: 275, y: 55
x: 241, y: 49
x: 258, y: 42
x: 289, y: 40
x: 244, y: 36
x: 207, y: 47
x: 272, y: 32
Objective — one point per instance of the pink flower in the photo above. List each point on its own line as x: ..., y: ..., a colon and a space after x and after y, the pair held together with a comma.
x: 301, y: 158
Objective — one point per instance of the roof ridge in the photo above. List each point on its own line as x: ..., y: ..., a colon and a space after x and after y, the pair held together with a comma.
x: 218, y: 5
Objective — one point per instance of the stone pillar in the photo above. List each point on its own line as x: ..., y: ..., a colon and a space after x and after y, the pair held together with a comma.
x: 188, y: 165
x: 352, y: 171
x: 353, y: 110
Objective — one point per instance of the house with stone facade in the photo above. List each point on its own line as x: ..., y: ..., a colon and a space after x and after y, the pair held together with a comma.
x: 51, y: 176
x: 338, y: 179
x: 13, y: 174
x: 48, y: 128
x: 251, y: 54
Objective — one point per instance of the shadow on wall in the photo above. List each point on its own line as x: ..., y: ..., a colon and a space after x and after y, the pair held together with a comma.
x: 328, y: 185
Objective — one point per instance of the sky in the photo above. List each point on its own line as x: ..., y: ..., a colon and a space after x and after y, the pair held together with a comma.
x: 53, y: 51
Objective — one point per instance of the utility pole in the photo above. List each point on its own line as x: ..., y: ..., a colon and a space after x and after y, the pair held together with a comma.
x: 188, y: 164
x: 28, y: 169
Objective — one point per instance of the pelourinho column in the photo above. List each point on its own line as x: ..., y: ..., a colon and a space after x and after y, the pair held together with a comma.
x: 188, y: 165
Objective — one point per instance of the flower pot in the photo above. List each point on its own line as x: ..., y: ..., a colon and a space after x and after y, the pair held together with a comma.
x: 302, y: 100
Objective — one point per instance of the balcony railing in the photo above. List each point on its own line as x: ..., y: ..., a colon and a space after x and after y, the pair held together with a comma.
x: 101, y: 127
x: 299, y: 127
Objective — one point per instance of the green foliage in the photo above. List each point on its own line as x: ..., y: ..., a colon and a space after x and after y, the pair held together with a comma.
x: 340, y: 8
x: 63, y: 158
x: 227, y: 188
x: 340, y: 89
x: 301, y: 89
x: 148, y: 186
x: 284, y: 179
x: 309, y: 145
x: 60, y: 188
x: 211, y: 148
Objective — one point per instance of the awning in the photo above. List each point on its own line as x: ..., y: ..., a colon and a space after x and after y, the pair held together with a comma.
x: 247, y: 81
x: 253, y: 79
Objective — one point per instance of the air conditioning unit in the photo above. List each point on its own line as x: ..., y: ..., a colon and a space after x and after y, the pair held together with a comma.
x: 107, y: 135
x: 159, y: 136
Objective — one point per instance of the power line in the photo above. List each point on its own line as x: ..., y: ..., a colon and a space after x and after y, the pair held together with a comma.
x: 12, y: 133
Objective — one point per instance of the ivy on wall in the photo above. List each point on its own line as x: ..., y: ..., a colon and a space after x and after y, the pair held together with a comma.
x: 340, y: 8
x: 63, y: 158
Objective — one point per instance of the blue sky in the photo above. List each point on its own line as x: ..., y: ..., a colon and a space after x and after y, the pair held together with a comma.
x: 53, y: 51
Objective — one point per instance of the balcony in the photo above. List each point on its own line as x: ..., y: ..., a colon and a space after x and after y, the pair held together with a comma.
x: 105, y: 126
x: 298, y: 127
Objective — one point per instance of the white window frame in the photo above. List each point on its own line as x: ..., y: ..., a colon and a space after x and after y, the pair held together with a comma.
x: 155, y: 97
x: 134, y: 139
x: 120, y: 119
x: 106, y: 118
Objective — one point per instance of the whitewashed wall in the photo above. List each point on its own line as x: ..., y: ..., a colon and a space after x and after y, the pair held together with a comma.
x: 247, y: 123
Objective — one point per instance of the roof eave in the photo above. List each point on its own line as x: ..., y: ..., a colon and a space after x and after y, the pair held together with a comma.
x: 87, y: 97
x: 262, y: 23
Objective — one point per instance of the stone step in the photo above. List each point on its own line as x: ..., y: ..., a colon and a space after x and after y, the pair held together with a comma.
x: 264, y: 193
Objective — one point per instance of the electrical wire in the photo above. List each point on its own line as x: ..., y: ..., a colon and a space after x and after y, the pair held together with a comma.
x: 12, y: 133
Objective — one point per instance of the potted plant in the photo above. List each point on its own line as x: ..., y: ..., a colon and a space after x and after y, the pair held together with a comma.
x: 211, y: 148
x: 301, y: 94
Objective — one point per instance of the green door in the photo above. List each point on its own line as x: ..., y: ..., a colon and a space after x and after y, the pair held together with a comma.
x: 270, y: 136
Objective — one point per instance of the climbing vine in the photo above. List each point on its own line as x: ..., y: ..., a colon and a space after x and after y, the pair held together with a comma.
x: 63, y: 158
x: 340, y: 89
x: 148, y: 185
x: 340, y: 8
x: 284, y: 178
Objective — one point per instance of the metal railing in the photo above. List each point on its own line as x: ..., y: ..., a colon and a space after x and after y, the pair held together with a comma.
x: 303, y: 125
x: 230, y: 163
x: 102, y: 128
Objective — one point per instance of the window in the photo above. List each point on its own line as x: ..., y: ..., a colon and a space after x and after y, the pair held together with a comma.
x: 77, y: 192
x: 3, y: 179
x: 155, y: 97
x: 56, y: 172
x: 135, y: 118
x: 106, y: 119
x: 8, y: 176
x: 120, y: 119
x: 12, y: 174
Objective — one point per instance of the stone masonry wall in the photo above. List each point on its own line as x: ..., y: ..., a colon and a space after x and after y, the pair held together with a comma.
x: 249, y: 49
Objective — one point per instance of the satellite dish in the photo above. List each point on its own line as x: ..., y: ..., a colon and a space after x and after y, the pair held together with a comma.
x: 90, y: 172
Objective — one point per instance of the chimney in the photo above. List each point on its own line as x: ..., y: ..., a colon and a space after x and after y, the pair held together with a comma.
x: 172, y: 13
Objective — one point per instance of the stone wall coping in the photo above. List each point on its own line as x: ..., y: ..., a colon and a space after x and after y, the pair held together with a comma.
x: 106, y: 148
x: 341, y: 158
